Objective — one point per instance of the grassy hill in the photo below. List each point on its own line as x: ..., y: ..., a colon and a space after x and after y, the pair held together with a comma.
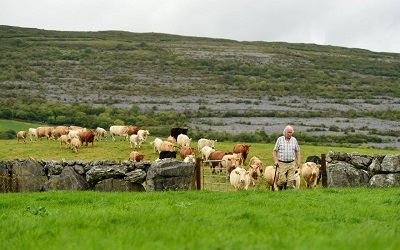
x: 160, y: 80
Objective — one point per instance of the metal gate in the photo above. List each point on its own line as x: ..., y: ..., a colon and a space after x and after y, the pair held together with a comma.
x: 217, y: 181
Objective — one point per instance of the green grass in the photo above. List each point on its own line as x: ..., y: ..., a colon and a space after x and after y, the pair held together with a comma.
x: 358, y: 218
x: 6, y: 125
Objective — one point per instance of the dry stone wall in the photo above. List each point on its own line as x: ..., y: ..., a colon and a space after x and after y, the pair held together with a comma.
x: 29, y: 175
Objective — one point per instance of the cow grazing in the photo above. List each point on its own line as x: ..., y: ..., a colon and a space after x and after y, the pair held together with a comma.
x: 101, y: 133
x: 239, y: 179
x: 157, y: 144
x: 205, y: 142
x: 44, y: 131
x: 185, y: 151
x: 269, y: 173
x: 59, y: 131
x: 32, y: 132
x: 241, y: 148
x: 183, y: 140
x: 136, y: 156
x: 205, y: 152
x: 177, y: 131
x: 21, y: 135
x: 73, y: 134
x: 134, y: 140
x: 87, y: 136
x: 64, y: 140
x: 75, y: 144
x: 123, y: 131
x: 310, y: 172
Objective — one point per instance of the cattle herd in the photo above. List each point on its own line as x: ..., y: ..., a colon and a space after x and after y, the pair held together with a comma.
x: 241, y: 175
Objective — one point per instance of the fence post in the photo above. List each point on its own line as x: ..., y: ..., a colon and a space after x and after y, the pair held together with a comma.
x: 323, y: 171
x: 198, y: 173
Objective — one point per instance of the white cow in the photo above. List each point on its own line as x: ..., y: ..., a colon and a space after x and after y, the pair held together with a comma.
x: 32, y: 132
x: 64, y: 140
x: 183, y: 140
x: 240, y: 179
x: 123, y: 131
x: 205, y: 152
x: 101, y: 132
x: 205, y: 142
x: 310, y: 173
x: 157, y: 144
x: 73, y: 134
x: 269, y: 174
x: 143, y: 134
x: 134, y: 140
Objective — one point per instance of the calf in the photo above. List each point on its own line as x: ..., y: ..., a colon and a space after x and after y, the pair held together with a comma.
x: 310, y: 173
x: 32, y: 132
x: 185, y: 151
x: 183, y: 140
x: 269, y: 175
x: 75, y: 143
x: 157, y: 144
x: 101, y: 133
x: 21, y: 135
x: 64, y: 140
x: 205, y: 142
x: 135, y: 140
x: 241, y: 148
x: 239, y: 179
x: 205, y: 153
x: 136, y: 156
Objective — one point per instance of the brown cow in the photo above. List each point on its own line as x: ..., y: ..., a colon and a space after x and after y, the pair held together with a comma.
x: 22, y: 135
x: 59, y: 131
x: 185, y: 151
x: 167, y: 146
x: 136, y: 156
x: 215, y: 156
x: 87, y: 136
x: 44, y: 131
x: 241, y: 148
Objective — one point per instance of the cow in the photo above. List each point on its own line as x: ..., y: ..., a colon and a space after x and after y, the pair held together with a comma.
x: 256, y: 161
x: 73, y: 134
x: 79, y: 128
x: 189, y: 158
x: 316, y: 160
x: 75, y: 143
x: 205, y: 152
x: 183, y: 140
x: 87, y: 136
x: 310, y: 172
x: 59, y: 131
x: 167, y: 154
x: 136, y: 156
x: 157, y: 144
x: 185, y: 151
x: 143, y: 134
x: 177, y: 131
x: 167, y: 146
x: 215, y: 157
x: 44, y: 131
x: 123, y: 131
x: 269, y: 173
x: 101, y: 133
x: 230, y: 162
x: 255, y: 173
x: 205, y: 142
x: 64, y: 139
x: 32, y: 132
x: 21, y: 135
x: 239, y: 179
x: 241, y: 148
x: 134, y: 140
x: 171, y: 139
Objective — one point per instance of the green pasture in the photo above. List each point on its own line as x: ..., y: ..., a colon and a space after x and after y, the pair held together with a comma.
x: 348, y: 218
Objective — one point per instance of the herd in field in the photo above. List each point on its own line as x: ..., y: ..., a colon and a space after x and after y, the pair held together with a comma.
x: 241, y: 176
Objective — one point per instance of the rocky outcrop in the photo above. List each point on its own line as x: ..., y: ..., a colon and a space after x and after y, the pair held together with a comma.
x: 357, y: 170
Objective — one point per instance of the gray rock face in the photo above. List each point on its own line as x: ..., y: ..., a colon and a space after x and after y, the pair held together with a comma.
x: 30, y: 175
x: 118, y: 185
x: 69, y: 179
x: 385, y: 180
x: 342, y: 174
x: 169, y: 174
x: 102, y: 172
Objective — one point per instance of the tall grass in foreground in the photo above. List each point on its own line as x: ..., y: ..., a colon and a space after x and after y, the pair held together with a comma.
x: 358, y: 218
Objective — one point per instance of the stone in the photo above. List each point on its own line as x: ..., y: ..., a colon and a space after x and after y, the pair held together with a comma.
x: 342, y: 174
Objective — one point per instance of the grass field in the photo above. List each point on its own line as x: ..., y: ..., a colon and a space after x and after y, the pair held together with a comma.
x: 348, y: 218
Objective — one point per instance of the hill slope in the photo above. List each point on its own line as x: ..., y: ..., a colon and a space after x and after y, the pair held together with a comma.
x: 213, y: 77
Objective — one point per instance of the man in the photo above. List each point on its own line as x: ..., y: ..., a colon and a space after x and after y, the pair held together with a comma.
x: 286, y: 156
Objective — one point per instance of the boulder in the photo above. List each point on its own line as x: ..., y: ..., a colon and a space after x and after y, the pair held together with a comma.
x: 69, y: 179
x: 30, y: 175
x: 342, y: 174
x: 360, y: 161
x: 102, y: 172
x: 385, y: 180
x: 169, y: 174
x: 118, y: 185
